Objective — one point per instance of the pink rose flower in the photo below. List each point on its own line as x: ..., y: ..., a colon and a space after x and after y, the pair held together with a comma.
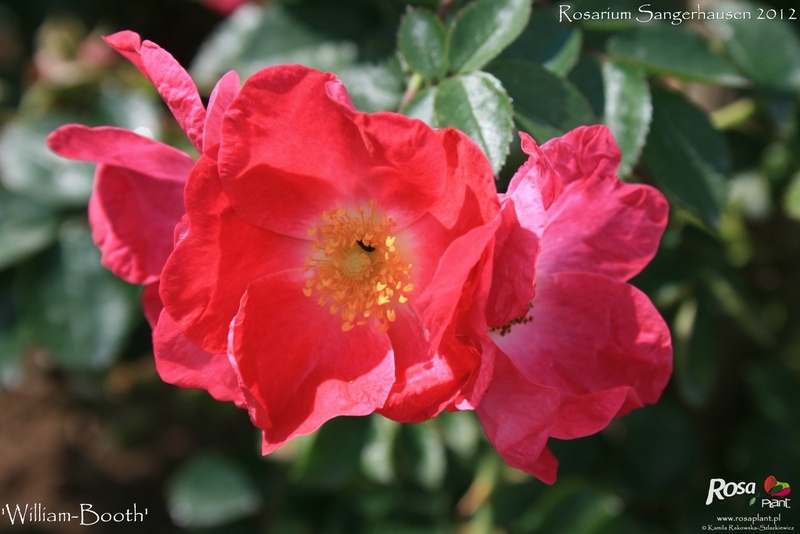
x: 578, y: 345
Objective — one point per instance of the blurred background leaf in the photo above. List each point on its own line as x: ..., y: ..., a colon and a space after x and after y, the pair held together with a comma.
x: 26, y: 227
x: 554, y: 46
x: 767, y: 51
x: 211, y: 490
x: 688, y: 156
x: 482, y: 29
x: 73, y: 306
x: 545, y: 105
x: 29, y: 168
x: 627, y: 110
x: 421, y: 40
x: 673, y: 51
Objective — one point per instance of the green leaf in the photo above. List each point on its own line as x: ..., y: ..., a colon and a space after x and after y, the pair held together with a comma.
x: 421, y: 107
x: 210, y: 490
x: 477, y: 105
x: 662, y: 431
x: 781, y: 106
x: 545, y: 41
x: 376, y: 87
x: 688, y: 156
x: 483, y: 29
x: 335, y: 454
x: 628, y: 110
x: 461, y: 432
x: 255, y: 37
x: 572, y: 506
x: 752, y: 501
x: 74, y: 306
x: 673, y: 51
x: 26, y: 227
x: 376, y: 457
x: 768, y: 51
x: 791, y: 199
x: 734, y: 299
x: 545, y: 105
x: 775, y: 397
x: 421, y: 40
x: 587, y: 77
x: 696, y: 349
x: 29, y: 168
x: 136, y: 110
x: 750, y: 193
x: 780, y: 486
x: 421, y: 453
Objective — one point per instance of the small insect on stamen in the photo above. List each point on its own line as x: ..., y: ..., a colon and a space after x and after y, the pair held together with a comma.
x: 364, y: 247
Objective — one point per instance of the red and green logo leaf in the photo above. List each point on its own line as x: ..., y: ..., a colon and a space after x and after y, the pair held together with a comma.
x: 776, y: 488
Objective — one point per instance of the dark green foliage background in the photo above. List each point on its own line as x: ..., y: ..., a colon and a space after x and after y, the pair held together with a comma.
x: 707, y: 112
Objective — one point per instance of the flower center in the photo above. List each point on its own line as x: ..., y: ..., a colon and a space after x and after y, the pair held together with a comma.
x: 356, y: 264
x: 357, y: 269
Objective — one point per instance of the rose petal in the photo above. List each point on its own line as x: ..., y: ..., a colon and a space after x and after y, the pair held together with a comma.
x: 437, y: 303
x: 452, y: 237
x: 121, y: 148
x: 132, y: 216
x: 600, y: 342
x: 545, y: 468
x: 221, y: 97
x: 468, y: 329
x: 337, y: 92
x: 181, y: 363
x: 603, y: 226
x: 585, y: 153
x: 538, y: 172
x: 427, y: 380
x: 469, y: 187
x: 587, y: 414
x: 215, y: 260
x: 132, y: 212
x: 283, y: 134
x: 517, y: 415
x: 298, y: 381
x: 171, y: 81
x: 151, y: 304
x: 128, y: 43
x: 514, y: 266
x: 177, y: 89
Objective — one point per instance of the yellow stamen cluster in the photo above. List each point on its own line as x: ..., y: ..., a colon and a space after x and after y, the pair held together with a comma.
x: 357, y: 270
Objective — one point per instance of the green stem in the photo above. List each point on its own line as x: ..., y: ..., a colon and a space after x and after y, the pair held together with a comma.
x: 413, y: 86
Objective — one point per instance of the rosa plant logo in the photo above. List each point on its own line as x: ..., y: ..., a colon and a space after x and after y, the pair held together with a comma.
x: 777, y: 493
x: 776, y: 488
